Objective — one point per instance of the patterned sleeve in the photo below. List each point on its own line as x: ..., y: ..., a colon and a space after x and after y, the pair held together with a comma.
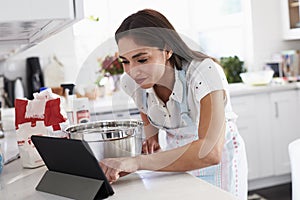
x: 206, y: 77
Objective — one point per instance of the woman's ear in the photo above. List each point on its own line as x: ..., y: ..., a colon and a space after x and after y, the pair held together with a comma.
x: 169, y: 54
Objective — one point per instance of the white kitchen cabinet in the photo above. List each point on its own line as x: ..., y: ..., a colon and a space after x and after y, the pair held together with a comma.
x: 254, y: 126
x: 246, y: 123
x: 268, y: 122
x: 24, y: 24
x: 248, y: 130
x: 290, y: 19
x: 285, y: 126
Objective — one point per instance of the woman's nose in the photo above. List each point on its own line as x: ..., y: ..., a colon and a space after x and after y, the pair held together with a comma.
x: 133, y: 70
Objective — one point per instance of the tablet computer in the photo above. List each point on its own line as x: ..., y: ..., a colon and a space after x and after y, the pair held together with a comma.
x: 71, y: 157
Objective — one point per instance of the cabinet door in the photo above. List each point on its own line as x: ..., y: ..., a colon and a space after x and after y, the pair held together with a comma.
x: 248, y: 129
x: 290, y: 19
x: 285, y: 127
x: 243, y: 107
x: 254, y: 127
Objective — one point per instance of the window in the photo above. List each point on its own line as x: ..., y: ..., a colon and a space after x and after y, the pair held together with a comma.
x: 220, y: 27
x: 216, y: 27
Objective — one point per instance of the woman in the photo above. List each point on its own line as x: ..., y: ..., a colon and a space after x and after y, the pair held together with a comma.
x: 184, y: 93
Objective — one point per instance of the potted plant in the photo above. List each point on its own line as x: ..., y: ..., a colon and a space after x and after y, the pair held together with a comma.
x: 112, y: 68
x: 232, y: 66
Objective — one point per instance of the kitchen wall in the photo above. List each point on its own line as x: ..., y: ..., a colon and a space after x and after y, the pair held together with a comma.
x: 267, y: 32
x: 263, y: 35
x: 62, y: 45
x: 95, y: 39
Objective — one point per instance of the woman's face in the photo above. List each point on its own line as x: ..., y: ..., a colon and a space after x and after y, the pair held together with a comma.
x: 146, y: 65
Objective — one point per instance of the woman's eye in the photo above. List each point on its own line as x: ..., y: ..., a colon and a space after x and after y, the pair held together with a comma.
x: 125, y: 62
x: 142, y: 60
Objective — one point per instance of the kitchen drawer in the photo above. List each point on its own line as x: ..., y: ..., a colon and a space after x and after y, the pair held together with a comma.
x: 244, y: 106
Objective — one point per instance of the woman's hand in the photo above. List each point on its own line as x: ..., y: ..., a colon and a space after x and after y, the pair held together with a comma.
x: 114, y: 168
x: 151, y: 145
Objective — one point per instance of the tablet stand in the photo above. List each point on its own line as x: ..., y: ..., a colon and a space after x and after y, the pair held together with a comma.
x: 71, y: 186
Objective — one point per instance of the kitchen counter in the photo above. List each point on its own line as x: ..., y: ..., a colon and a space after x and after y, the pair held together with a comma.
x: 239, y: 89
x: 18, y: 183
x: 120, y: 101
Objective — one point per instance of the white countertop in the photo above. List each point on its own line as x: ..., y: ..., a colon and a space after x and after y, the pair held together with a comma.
x: 120, y: 101
x: 18, y: 183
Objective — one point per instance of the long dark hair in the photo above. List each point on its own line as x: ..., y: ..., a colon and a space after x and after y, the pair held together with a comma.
x: 151, y: 28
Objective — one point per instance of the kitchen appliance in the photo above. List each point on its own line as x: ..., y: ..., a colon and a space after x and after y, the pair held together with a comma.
x: 13, y: 89
x: 277, y: 68
x: 110, y: 138
x: 24, y: 24
x: 34, y: 75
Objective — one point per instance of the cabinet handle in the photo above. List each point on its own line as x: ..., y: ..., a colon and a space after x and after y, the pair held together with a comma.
x: 120, y: 115
x: 276, y: 110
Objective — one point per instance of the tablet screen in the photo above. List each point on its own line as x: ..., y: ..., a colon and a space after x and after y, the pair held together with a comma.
x: 71, y: 157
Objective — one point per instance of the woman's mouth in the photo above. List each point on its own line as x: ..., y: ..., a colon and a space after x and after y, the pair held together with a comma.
x: 140, y: 80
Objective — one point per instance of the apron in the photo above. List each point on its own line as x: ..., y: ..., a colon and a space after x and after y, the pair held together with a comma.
x: 231, y: 173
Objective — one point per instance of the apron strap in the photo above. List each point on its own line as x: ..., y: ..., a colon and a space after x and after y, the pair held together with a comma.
x: 184, y: 112
x: 184, y: 105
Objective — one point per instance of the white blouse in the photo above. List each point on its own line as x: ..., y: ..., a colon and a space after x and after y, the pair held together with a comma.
x: 202, y: 78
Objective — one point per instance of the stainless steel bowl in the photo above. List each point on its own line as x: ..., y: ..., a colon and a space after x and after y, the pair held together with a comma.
x: 110, y: 139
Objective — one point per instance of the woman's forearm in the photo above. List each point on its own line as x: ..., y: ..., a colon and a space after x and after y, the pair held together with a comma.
x: 184, y: 158
x: 204, y: 152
